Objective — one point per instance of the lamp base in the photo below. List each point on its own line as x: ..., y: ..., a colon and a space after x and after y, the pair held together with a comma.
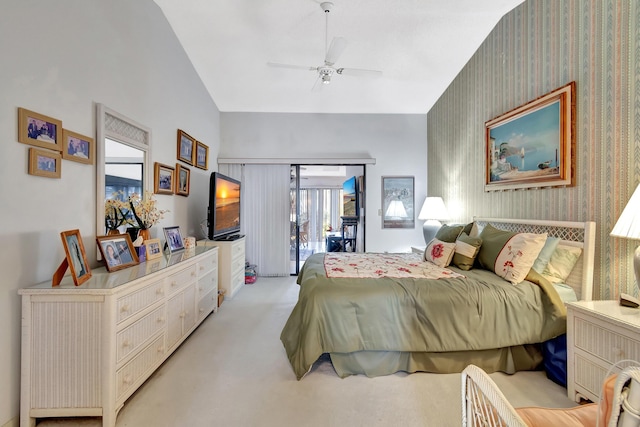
x: 429, y: 229
x: 636, y: 265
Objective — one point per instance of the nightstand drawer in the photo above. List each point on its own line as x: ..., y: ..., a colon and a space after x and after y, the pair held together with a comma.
x: 600, y: 341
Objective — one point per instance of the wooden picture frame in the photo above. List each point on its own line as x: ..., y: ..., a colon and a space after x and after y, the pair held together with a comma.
x: 186, y: 147
x: 173, y: 238
x: 39, y: 130
x: 533, y: 145
x: 398, y: 201
x: 164, y: 179
x: 183, y: 180
x: 76, y: 257
x: 45, y: 163
x: 202, y: 156
x: 117, y: 251
x: 153, y: 248
x: 78, y: 148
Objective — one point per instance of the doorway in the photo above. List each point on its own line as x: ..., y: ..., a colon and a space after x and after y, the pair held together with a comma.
x: 317, y: 205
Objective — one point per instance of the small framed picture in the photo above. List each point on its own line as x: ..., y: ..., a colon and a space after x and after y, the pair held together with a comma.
x: 45, y: 163
x: 39, y: 130
x: 186, y: 147
x: 78, y: 148
x: 202, y: 156
x: 183, y: 178
x: 117, y: 251
x: 174, y: 238
x: 164, y: 178
x: 76, y: 256
x: 153, y: 248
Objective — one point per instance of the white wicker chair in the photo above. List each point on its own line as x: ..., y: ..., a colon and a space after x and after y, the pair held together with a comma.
x: 484, y: 405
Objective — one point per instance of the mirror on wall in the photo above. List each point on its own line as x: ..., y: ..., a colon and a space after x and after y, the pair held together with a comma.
x: 123, y: 160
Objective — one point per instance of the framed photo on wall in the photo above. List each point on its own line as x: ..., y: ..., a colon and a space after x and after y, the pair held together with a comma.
x: 39, y: 130
x: 533, y: 145
x: 186, y: 147
x: 398, y: 202
x: 78, y: 148
x: 45, y: 163
x: 183, y: 178
x: 202, y: 156
x: 164, y: 179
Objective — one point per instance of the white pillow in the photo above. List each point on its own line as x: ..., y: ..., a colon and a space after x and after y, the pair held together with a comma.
x: 518, y: 255
x: 439, y: 252
x: 562, y: 261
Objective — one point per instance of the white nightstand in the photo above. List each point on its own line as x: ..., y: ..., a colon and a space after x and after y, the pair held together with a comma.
x: 418, y: 249
x: 599, y: 334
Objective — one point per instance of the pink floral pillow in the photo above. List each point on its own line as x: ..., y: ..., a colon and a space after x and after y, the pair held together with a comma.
x: 439, y: 252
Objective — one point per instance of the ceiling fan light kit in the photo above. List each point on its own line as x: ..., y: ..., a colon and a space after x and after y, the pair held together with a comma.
x: 332, y: 53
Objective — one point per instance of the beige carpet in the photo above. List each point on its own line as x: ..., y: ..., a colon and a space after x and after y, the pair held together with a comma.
x: 233, y: 371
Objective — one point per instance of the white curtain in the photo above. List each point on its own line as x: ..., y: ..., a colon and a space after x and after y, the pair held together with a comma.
x: 265, y: 215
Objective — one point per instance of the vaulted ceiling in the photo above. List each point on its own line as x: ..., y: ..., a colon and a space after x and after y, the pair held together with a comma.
x: 419, y: 45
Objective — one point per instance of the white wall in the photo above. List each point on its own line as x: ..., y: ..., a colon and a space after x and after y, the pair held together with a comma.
x: 59, y: 59
x: 397, y: 142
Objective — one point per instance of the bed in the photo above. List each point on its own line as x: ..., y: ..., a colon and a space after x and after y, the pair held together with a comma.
x: 405, y: 322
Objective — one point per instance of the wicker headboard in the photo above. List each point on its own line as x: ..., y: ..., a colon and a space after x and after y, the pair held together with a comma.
x: 578, y: 234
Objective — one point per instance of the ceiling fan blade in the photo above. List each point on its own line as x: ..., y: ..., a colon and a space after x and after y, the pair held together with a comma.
x: 338, y: 44
x: 293, y: 67
x: 358, y: 72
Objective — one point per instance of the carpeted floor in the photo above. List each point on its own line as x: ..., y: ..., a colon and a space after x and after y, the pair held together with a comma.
x: 233, y: 371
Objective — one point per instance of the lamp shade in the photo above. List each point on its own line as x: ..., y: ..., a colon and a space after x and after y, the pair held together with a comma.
x: 434, y: 208
x: 396, y: 210
x: 628, y: 225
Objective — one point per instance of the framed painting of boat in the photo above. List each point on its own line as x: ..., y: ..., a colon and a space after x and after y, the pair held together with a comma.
x: 533, y: 146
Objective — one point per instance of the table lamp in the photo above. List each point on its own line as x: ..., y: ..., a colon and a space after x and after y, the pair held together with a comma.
x: 433, y: 211
x: 628, y: 227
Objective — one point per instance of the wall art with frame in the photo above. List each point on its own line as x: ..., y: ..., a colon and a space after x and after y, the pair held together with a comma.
x: 39, y: 130
x: 186, y: 147
x: 164, y: 179
x: 78, y: 148
x: 117, y: 251
x: 533, y: 145
x: 183, y: 179
x: 45, y: 163
x: 202, y: 156
x: 398, y: 202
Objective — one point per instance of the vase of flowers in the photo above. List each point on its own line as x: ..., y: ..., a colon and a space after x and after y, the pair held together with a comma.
x: 116, y: 213
x: 145, y: 214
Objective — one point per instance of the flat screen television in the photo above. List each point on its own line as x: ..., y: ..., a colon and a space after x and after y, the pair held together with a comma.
x: 350, y: 197
x: 223, y: 216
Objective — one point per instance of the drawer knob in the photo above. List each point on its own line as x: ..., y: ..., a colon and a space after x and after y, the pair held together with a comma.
x: 127, y: 379
x: 125, y: 343
x: 161, y: 319
x: 201, y: 267
x: 618, y: 352
x: 174, y: 283
x: 124, y: 308
x: 161, y: 349
x: 182, y: 315
x: 193, y: 274
x: 201, y: 310
x: 160, y: 291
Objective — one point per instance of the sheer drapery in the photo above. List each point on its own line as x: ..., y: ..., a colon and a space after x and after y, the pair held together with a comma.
x: 265, y: 214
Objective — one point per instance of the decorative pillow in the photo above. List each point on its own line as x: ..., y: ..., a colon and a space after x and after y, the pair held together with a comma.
x: 449, y: 233
x: 545, y: 254
x: 439, y: 252
x: 509, y: 255
x: 562, y: 261
x: 467, y: 249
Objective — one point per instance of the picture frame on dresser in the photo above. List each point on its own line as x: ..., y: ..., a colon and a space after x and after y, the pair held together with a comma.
x: 153, y: 249
x: 117, y: 251
x: 76, y: 257
x: 173, y: 238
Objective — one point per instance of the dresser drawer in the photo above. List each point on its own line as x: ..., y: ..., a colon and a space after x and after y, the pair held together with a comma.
x: 208, y: 264
x: 237, y: 265
x: 601, y: 341
x: 208, y: 283
x: 237, y: 251
x: 131, y: 304
x: 133, y: 337
x: 588, y: 376
x: 207, y: 304
x: 181, y: 279
x: 137, y: 368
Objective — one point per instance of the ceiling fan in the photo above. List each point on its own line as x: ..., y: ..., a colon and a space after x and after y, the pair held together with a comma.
x: 332, y: 53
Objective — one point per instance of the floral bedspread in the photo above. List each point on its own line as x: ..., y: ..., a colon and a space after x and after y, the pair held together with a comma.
x: 345, y: 264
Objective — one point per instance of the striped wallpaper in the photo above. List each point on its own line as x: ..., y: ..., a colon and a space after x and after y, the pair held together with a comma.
x: 536, y: 48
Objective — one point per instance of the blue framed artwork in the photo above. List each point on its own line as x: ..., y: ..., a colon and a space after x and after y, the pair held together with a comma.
x: 532, y: 146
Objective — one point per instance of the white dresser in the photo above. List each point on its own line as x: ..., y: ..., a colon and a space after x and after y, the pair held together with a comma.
x: 86, y: 349
x: 232, y: 264
x: 599, y: 334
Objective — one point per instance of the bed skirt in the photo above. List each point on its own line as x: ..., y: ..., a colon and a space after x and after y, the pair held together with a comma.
x: 377, y: 363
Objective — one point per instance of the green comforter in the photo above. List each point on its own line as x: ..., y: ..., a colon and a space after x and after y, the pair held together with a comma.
x: 478, y: 312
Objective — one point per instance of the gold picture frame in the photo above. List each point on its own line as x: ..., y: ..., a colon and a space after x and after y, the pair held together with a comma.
x: 153, y: 248
x: 533, y: 145
x: 186, y: 147
x: 77, y: 147
x: 76, y: 257
x: 183, y: 180
x: 201, y: 156
x: 45, y: 163
x: 39, y: 130
x: 117, y: 251
x: 164, y: 179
